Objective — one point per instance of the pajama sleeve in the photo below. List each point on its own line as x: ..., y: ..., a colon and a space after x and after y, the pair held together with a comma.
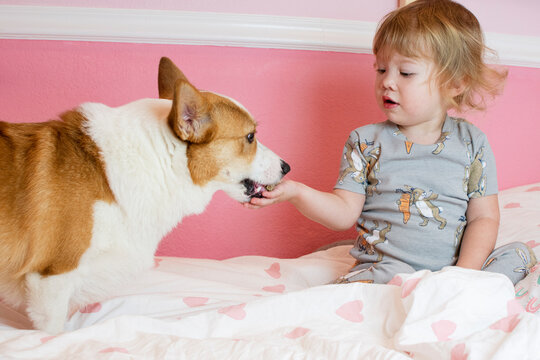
x: 482, y: 180
x: 353, y: 169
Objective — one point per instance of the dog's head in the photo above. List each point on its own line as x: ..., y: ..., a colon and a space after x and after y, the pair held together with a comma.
x: 221, y: 137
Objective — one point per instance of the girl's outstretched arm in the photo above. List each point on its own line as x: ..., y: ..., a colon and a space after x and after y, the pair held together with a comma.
x: 337, y: 210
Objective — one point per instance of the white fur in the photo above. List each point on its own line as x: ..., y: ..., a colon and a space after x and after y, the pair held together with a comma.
x: 146, y: 166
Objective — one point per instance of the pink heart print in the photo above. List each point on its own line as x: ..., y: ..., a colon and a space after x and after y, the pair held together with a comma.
x: 351, y: 311
x: 443, y: 329
x: 274, y: 270
x: 506, y: 324
x: 91, y: 308
x: 532, y: 243
x: 236, y: 312
x: 195, y: 301
x: 396, y: 280
x: 409, y: 286
x: 276, y: 288
x: 458, y: 353
x: 297, y: 333
x: 47, y: 338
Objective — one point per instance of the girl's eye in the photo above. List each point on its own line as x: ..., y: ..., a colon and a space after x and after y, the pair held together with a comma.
x: 250, y: 137
x: 381, y: 71
x: 406, y: 74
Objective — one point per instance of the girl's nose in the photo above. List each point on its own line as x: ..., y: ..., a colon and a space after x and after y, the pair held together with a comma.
x: 388, y: 82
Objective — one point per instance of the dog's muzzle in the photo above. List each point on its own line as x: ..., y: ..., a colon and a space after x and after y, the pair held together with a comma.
x: 255, y: 189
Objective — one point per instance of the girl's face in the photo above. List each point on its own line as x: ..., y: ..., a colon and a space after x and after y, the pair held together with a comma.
x: 408, y: 94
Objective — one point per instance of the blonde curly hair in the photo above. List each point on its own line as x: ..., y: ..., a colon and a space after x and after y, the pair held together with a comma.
x: 450, y: 35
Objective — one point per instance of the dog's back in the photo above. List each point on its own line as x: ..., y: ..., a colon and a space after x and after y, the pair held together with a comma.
x: 51, y: 175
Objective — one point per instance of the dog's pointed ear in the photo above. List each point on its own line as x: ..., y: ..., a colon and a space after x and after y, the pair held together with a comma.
x: 168, y: 75
x: 190, y: 117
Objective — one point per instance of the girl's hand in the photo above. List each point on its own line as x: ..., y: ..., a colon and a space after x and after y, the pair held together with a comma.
x: 284, y: 191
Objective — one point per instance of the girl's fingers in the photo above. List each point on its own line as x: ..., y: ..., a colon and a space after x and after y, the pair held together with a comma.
x: 271, y: 194
x: 269, y: 198
x: 250, y: 206
x: 264, y: 201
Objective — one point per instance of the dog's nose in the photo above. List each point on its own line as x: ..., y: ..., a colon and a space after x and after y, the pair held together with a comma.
x: 285, y: 168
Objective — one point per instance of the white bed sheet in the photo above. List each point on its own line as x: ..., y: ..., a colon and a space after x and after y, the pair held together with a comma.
x: 257, y: 307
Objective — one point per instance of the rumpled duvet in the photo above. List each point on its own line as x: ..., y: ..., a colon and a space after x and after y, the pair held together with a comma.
x: 257, y: 307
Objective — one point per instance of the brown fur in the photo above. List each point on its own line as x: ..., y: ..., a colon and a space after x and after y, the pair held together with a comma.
x: 205, y: 159
x: 51, y: 176
x: 211, y: 144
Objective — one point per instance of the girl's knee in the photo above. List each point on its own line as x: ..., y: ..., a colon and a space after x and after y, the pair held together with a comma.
x: 513, y: 260
x: 524, y: 252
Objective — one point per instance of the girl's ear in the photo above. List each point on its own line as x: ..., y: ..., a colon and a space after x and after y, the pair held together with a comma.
x: 456, y: 88
x: 455, y: 93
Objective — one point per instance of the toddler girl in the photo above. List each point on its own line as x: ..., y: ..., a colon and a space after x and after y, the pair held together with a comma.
x: 421, y: 187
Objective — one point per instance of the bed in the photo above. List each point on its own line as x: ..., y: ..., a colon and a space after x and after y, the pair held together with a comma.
x: 256, y: 307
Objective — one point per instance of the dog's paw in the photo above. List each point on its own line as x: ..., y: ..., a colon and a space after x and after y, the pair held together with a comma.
x: 47, y: 303
x: 43, y: 322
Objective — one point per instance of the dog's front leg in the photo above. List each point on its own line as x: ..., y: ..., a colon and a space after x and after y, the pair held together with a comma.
x: 48, y: 301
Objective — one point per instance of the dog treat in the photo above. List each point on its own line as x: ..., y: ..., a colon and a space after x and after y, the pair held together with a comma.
x: 270, y: 187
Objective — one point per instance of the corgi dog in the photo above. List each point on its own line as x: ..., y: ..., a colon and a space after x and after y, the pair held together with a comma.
x: 85, y: 200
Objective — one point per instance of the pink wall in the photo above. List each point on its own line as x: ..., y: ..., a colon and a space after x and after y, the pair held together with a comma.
x: 306, y: 103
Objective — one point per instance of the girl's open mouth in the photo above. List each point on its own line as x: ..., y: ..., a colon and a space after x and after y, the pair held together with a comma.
x: 388, y: 103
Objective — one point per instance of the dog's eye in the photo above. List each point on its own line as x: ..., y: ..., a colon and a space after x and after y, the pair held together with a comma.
x: 250, y: 137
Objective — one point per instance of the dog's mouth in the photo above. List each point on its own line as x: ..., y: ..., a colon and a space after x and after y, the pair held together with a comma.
x: 255, y: 189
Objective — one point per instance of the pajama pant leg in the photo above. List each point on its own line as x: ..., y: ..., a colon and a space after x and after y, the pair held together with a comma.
x: 513, y: 260
x: 375, y: 273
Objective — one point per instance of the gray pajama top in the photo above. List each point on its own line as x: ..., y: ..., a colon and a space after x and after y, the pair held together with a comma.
x: 416, y: 195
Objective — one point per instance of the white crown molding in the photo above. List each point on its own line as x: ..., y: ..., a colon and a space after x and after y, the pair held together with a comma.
x: 219, y: 29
